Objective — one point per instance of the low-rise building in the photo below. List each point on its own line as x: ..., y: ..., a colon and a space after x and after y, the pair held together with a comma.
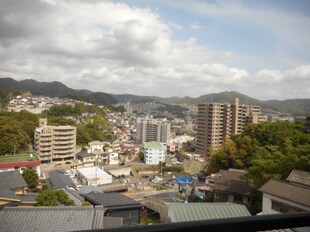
x: 153, y: 152
x: 93, y: 176
x: 292, y: 195
x: 88, y: 159
x: 118, y: 205
x: 228, y: 186
x: 20, y: 162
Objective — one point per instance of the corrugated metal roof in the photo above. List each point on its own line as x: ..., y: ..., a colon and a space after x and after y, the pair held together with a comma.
x: 180, y: 212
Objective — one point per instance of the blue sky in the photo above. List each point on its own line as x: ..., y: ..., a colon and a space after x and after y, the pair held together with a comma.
x: 259, y: 48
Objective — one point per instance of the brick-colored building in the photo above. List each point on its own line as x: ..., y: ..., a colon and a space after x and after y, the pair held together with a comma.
x: 217, y: 121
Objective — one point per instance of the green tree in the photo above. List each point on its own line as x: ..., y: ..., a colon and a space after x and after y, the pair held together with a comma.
x: 31, y: 178
x: 53, y: 198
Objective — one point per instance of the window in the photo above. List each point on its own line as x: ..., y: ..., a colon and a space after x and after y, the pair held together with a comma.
x: 277, y: 206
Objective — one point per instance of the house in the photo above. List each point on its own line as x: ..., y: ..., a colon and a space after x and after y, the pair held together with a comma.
x: 118, y: 205
x: 20, y: 162
x: 292, y: 195
x: 153, y: 152
x: 93, y: 176
x: 228, y: 186
x: 59, y: 179
x: 113, y: 158
x: 88, y: 159
x: 95, y: 147
x: 14, y: 181
x: 67, y: 218
x: 12, y: 190
x: 181, y: 212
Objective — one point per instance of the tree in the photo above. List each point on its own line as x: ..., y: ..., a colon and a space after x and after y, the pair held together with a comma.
x: 31, y: 178
x: 53, y: 198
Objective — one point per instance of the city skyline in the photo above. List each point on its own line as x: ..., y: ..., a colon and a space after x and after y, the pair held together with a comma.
x: 160, y: 48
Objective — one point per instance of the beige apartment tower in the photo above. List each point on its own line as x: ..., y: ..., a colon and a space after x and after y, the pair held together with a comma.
x: 55, y: 144
x: 217, y: 121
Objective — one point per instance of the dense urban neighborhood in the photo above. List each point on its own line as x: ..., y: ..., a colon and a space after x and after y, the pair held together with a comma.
x: 128, y: 165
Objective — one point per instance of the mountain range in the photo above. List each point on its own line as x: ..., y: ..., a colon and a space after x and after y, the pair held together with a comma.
x: 58, y: 89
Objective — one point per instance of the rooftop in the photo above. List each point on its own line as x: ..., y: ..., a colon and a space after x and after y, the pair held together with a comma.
x: 12, y: 179
x: 112, y: 200
x: 51, y: 218
x: 92, y: 172
x: 286, y: 190
x: 17, y: 158
x: 153, y: 145
x: 300, y: 177
x: 59, y: 180
x: 181, y: 212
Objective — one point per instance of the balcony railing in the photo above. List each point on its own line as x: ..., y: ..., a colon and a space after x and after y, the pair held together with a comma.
x: 240, y: 224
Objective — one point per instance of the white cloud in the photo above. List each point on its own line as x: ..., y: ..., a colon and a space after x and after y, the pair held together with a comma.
x: 115, y: 48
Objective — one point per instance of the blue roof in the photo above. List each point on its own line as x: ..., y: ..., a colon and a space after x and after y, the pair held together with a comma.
x: 183, y: 180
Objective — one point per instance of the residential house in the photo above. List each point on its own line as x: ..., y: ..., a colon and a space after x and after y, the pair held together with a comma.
x: 12, y: 190
x: 292, y: 195
x: 118, y: 205
x: 95, y: 147
x: 88, y: 159
x: 227, y: 186
x: 69, y: 218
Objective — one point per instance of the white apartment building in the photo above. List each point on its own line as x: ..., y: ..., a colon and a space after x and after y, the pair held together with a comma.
x: 55, y: 144
x: 153, y: 152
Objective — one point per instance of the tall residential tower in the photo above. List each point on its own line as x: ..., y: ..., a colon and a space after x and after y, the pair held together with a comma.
x: 217, y: 121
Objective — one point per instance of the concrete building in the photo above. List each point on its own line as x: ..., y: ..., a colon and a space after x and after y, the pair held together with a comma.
x: 93, y: 176
x: 149, y: 129
x: 55, y: 144
x: 217, y: 121
x: 153, y: 152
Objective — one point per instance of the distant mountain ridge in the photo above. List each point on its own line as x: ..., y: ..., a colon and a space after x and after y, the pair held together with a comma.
x: 58, y: 89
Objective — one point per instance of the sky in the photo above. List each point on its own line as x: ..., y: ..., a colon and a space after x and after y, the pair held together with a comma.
x: 160, y: 47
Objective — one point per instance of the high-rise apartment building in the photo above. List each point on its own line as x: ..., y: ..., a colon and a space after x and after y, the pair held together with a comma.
x: 217, y: 121
x: 149, y: 129
x: 55, y: 144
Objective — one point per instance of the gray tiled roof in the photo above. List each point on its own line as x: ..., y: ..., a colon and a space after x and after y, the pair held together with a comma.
x: 7, y: 193
x: 90, y: 189
x: 230, y: 181
x: 111, y: 200
x: 300, y: 177
x: 29, y: 197
x: 180, y: 212
x: 85, y: 154
x: 296, y: 193
x: 51, y: 219
x: 59, y: 180
x: 75, y: 196
x: 12, y: 179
